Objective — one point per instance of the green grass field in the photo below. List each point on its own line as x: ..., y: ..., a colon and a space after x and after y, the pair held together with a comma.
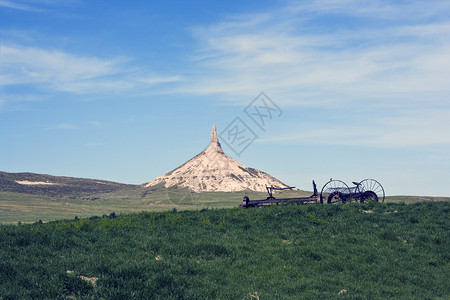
x: 353, y: 251
x: 29, y: 208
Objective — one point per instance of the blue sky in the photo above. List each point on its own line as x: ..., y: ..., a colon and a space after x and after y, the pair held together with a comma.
x: 127, y: 91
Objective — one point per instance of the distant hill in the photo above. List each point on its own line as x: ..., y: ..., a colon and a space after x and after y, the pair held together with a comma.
x: 57, y: 186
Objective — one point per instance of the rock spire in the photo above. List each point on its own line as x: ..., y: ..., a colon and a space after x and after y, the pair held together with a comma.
x: 214, y: 139
x: 213, y: 170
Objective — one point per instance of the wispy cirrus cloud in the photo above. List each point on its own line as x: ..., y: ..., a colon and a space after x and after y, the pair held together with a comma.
x: 17, y: 5
x: 39, y: 6
x: 411, y: 128
x: 55, y: 70
x: 34, y: 65
x: 65, y: 126
x: 381, y: 9
x: 296, y: 53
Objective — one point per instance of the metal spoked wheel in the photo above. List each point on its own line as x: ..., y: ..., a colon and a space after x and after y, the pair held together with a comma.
x: 371, y: 191
x: 334, y: 191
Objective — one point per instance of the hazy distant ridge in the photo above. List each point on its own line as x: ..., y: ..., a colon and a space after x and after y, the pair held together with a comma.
x: 43, y: 184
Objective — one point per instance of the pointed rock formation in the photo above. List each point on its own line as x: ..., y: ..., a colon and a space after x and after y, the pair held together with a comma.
x: 213, y: 170
x: 214, y: 138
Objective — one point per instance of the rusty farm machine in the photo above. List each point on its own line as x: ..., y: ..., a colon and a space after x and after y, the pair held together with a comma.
x: 334, y: 191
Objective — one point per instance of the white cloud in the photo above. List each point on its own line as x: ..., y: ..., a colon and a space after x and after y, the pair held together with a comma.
x: 381, y: 9
x: 300, y: 61
x: 151, y: 80
x: 16, y: 5
x: 65, y: 126
x: 34, y: 5
x: 25, y: 65
x: 54, y: 70
x: 407, y: 129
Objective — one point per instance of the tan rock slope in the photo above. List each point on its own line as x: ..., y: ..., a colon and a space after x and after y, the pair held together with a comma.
x: 213, y: 170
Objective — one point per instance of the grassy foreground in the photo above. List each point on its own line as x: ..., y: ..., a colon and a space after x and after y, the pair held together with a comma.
x: 355, y: 251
